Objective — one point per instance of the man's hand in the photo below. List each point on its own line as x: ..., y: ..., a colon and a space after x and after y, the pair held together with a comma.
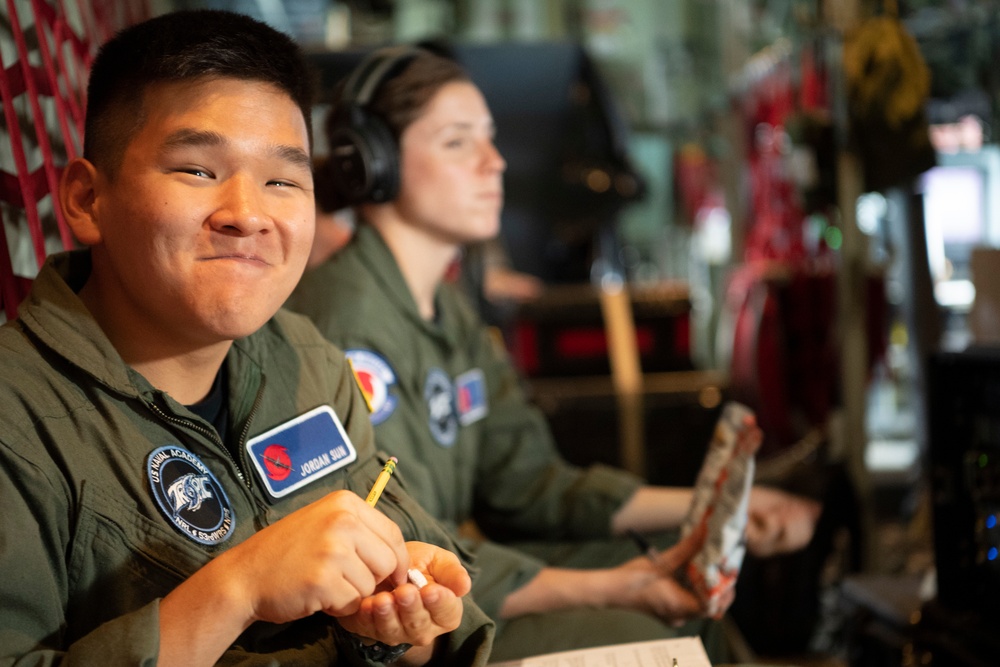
x: 406, y: 614
x: 779, y: 522
x: 327, y: 556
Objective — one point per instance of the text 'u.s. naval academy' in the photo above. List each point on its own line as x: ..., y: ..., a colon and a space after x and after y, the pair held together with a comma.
x: 189, y: 495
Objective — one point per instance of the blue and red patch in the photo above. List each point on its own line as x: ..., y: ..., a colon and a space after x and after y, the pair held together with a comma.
x: 300, y: 451
x: 470, y: 389
x: 376, y: 378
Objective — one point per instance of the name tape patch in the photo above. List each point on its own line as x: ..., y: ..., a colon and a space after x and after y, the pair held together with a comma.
x: 300, y: 451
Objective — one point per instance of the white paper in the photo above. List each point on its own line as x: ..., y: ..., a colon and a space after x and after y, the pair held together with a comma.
x: 687, y: 651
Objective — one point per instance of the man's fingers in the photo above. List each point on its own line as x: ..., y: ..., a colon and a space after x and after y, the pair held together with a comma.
x: 452, y: 576
x: 344, y: 607
x: 378, y: 540
x: 445, y: 608
x: 440, y: 566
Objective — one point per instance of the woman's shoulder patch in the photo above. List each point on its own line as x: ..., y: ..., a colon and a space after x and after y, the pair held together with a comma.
x: 375, y: 378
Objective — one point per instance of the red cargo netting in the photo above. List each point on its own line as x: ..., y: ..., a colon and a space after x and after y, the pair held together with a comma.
x: 43, y: 91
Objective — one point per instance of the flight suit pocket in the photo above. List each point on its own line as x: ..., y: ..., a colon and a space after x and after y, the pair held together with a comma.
x: 121, y: 560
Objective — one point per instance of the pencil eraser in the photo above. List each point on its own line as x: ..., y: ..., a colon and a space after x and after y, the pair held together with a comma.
x: 416, y: 577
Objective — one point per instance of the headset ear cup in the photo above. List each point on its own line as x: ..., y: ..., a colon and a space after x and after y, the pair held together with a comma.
x: 348, y: 165
x: 384, y: 152
x: 364, y: 161
x: 364, y: 154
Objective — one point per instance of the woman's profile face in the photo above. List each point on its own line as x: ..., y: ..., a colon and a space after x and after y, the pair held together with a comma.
x: 452, y: 174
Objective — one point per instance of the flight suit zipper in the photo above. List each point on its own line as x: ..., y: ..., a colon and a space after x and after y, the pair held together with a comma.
x: 214, y: 437
x: 210, y: 434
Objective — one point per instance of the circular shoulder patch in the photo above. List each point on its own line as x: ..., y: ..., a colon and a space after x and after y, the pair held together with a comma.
x: 189, y: 495
x: 440, y: 397
x: 375, y: 376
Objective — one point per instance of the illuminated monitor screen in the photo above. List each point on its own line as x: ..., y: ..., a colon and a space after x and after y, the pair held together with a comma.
x: 953, y: 203
x: 959, y: 201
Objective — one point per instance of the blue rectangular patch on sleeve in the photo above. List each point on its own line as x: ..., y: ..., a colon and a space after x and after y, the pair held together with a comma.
x: 470, y: 390
x: 300, y: 451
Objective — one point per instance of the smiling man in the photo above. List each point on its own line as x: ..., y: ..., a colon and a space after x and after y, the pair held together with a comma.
x: 183, y: 467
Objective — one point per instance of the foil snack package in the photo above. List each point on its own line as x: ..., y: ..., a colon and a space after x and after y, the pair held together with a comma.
x: 721, y: 497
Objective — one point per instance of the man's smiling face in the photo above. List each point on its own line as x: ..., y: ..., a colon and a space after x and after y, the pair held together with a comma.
x: 206, y: 226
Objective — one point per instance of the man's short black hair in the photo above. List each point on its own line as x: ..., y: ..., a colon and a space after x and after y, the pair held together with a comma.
x: 181, y: 46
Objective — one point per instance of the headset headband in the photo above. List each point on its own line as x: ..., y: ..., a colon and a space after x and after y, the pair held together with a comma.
x: 377, y: 66
x: 365, y: 152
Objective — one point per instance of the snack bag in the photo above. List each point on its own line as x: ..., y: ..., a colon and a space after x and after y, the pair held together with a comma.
x: 721, y: 497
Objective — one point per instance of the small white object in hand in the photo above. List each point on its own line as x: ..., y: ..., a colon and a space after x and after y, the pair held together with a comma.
x: 416, y: 577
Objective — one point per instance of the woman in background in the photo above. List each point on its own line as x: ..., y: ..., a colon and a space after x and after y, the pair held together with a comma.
x: 446, y: 400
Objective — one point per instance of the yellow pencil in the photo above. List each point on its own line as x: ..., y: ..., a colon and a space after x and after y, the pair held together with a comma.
x: 383, y: 479
x: 415, y: 576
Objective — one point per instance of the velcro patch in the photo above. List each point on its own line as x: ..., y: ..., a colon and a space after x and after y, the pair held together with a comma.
x: 470, y: 390
x: 300, y: 451
x: 189, y: 495
x: 375, y: 377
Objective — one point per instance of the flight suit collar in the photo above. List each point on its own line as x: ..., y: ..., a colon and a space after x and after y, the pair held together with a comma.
x: 380, y: 262
x: 54, y: 313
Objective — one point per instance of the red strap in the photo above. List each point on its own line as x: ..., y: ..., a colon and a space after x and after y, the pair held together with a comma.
x: 66, y: 54
x: 35, y: 82
x: 11, y: 86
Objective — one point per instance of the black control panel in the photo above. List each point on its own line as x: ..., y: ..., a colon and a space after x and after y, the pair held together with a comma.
x: 964, y: 454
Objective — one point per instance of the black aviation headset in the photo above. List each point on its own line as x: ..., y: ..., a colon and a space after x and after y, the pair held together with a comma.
x: 363, y: 162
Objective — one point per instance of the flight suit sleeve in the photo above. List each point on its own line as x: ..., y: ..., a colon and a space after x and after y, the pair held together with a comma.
x: 35, y: 604
x: 502, y: 571
x: 525, y: 489
x: 33, y: 590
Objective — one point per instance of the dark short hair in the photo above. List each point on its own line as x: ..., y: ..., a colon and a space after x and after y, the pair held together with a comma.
x: 180, y: 46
